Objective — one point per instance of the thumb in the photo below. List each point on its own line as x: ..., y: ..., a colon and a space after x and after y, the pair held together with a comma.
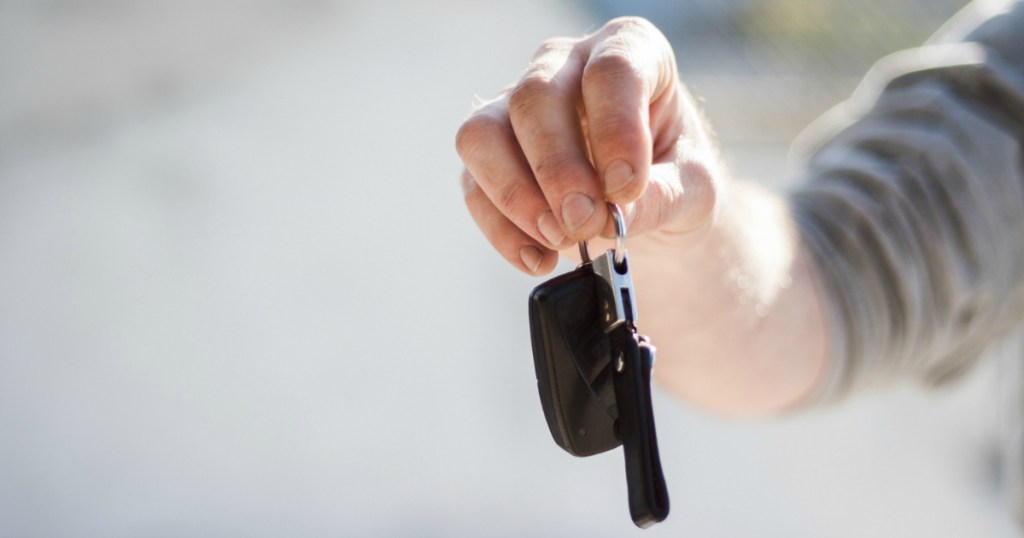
x: 680, y: 198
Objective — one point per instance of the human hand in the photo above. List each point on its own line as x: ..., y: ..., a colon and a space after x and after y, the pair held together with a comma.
x: 603, y: 117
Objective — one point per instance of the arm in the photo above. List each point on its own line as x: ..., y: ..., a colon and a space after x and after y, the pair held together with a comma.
x: 914, y: 212
x: 901, y: 258
x: 735, y: 309
x: 724, y: 285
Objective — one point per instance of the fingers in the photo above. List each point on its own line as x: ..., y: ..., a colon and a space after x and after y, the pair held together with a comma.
x: 679, y: 198
x: 542, y: 110
x: 495, y: 160
x: 509, y: 240
x: 630, y: 72
x: 583, y: 125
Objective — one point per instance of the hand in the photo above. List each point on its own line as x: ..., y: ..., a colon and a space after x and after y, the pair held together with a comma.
x: 603, y: 117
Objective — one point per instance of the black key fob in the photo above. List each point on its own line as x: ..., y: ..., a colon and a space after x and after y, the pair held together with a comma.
x: 572, y: 359
x: 594, y: 371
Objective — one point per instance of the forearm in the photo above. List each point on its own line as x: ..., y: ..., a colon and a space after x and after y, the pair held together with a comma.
x: 734, y: 308
x: 907, y: 262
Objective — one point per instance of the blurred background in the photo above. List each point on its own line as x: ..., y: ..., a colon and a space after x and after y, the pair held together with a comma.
x: 240, y: 295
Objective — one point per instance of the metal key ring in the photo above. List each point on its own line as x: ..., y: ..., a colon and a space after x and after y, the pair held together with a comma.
x: 620, y: 237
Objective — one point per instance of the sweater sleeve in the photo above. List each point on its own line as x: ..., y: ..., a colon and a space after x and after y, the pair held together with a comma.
x: 913, y: 207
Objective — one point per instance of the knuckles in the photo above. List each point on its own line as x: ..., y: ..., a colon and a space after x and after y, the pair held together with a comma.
x: 474, y: 132
x: 561, y: 169
x: 510, y: 198
x: 612, y: 63
x: 530, y: 90
x: 630, y: 23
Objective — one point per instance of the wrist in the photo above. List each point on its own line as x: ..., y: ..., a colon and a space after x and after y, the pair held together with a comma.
x: 726, y: 302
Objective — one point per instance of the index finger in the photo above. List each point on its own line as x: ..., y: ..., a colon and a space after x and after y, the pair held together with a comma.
x: 543, y: 110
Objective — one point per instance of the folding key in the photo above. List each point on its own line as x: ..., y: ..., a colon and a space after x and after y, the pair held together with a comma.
x: 572, y: 362
x: 593, y: 371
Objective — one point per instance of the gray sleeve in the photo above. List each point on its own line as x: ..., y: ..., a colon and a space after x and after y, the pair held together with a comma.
x: 913, y: 210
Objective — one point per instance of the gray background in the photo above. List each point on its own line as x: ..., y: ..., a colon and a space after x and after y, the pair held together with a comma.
x: 240, y: 296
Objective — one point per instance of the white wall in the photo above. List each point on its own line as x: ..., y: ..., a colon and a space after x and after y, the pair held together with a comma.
x: 239, y: 296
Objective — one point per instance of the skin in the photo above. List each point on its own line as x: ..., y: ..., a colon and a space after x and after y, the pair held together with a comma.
x: 723, y: 281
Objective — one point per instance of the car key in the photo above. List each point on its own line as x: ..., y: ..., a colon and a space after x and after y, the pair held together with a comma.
x: 593, y: 371
x: 572, y: 360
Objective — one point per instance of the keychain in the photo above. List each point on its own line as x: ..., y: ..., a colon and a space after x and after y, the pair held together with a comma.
x: 594, y: 370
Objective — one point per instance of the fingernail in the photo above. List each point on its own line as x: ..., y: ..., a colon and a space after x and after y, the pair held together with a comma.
x: 576, y: 209
x: 550, y: 229
x: 531, y: 257
x: 629, y: 213
x: 617, y: 176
